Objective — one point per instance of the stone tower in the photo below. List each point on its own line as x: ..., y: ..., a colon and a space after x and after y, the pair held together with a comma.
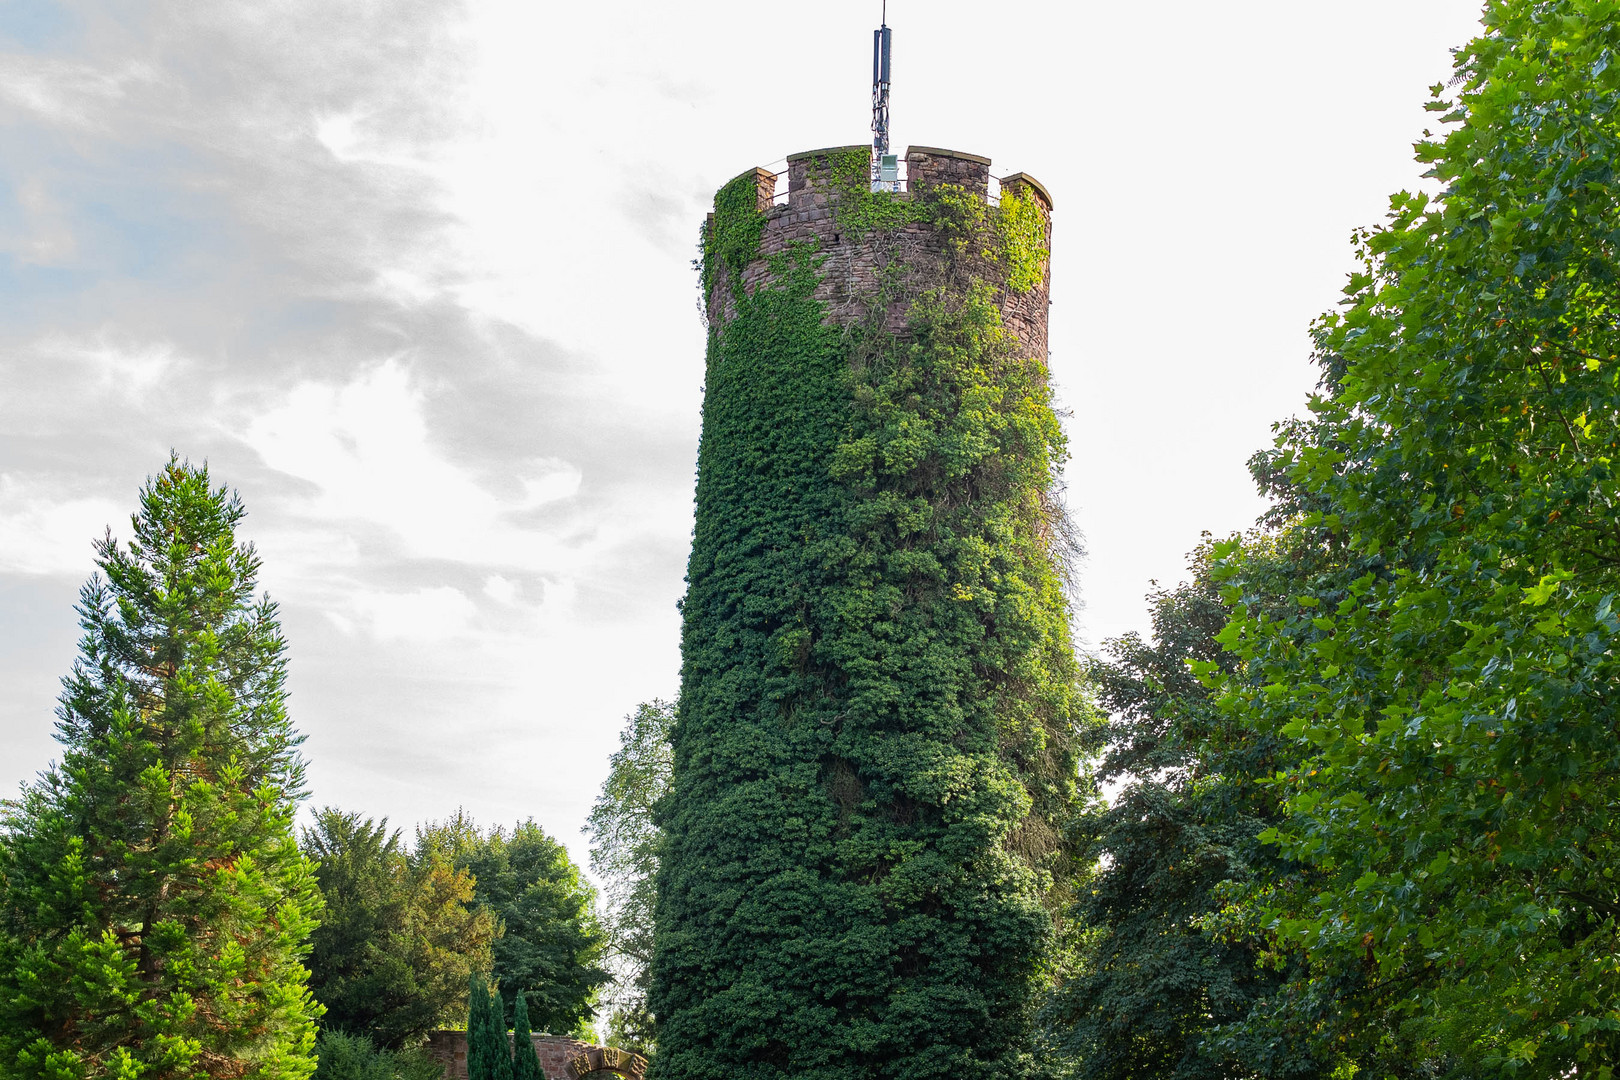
x: 874, y: 752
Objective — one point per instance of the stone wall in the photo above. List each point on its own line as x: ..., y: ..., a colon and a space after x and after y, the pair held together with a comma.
x: 850, y: 270
x: 450, y: 1048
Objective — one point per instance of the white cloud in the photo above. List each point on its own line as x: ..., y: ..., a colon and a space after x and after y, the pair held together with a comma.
x: 337, y: 133
x: 43, y: 533
x: 425, y: 615
x: 64, y: 92
x: 124, y: 368
x: 47, y: 238
x: 366, y: 448
x: 352, y: 139
x: 502, y: 590
x: 100, y: 364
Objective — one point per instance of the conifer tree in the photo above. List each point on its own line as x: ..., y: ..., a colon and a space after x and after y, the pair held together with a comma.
x: 489, y: 1057
x: 156, y: 908
x: 525, y: 1062
x: 478, y: 1067
x: 499, y: 1050
x: 399, y: 937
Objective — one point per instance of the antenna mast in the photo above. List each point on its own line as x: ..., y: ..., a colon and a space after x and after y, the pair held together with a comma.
x: 885, y: 166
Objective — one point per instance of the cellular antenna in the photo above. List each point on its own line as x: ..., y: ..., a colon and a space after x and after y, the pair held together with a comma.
x: 885, y: 166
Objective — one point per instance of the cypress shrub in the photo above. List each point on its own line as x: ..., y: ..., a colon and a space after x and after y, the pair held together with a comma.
x: 479, y: 1066
x: 342, y: 1056
x: 487, y: 1044
x: 525, y: 1062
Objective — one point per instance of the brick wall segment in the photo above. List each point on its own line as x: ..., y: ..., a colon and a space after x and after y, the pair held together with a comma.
x: 449, y: 1048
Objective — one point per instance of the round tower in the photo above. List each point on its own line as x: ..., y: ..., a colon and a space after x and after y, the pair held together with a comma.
x: 875, y: 753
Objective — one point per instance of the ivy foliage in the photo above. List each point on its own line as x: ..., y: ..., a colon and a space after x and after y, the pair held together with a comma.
x: 733, y: 240
x: 1022, y: 234
x: 858, y: 209
x: 874, y: 754
x: 1456, y: 801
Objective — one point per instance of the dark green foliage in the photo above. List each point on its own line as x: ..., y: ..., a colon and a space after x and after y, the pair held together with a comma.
x: 551, y: 945
x: 874, y: 756
x: 479, y: 1065
x: 354, y: 1057
x: 392, y: 957
x: 156, y: 909
x: 489, y: 1053
x: 525, y: 1062
x: 1456, y: 804
x: 1152, y: 986
x: 626, y: 845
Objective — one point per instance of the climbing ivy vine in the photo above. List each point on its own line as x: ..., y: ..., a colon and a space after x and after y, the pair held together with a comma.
x: 1023, y: 240
x: 859, y: 210
x: 874, y: 751
x: 733, y: 240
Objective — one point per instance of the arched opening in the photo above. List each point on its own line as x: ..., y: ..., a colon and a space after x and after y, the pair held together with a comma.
x: 603, y: 1062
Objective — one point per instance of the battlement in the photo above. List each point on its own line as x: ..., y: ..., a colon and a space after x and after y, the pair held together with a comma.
x: 800, y: 203
x: 807, y: 182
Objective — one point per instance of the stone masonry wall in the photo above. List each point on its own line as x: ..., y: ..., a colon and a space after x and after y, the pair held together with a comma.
x: 450, y: 1049
x: 851, y: 266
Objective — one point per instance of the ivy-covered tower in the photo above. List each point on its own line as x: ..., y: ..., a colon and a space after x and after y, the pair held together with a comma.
x: 875, y: 746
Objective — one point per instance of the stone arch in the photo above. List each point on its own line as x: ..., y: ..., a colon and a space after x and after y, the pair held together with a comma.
x: 607, y: 1059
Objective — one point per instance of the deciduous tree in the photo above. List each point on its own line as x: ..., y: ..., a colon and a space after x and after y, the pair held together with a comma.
x: 1154, y: 990
x: 625, y: 849
x: 1456, y: 795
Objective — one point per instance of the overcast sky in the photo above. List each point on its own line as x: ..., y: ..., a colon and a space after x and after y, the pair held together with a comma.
x: 414, y: 276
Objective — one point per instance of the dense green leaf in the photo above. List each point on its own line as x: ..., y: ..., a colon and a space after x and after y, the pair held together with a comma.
x: 400, y: 936
x: 1459, y: 779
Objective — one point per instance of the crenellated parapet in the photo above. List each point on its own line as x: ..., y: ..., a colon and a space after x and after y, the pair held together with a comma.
x: 828, y: 202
